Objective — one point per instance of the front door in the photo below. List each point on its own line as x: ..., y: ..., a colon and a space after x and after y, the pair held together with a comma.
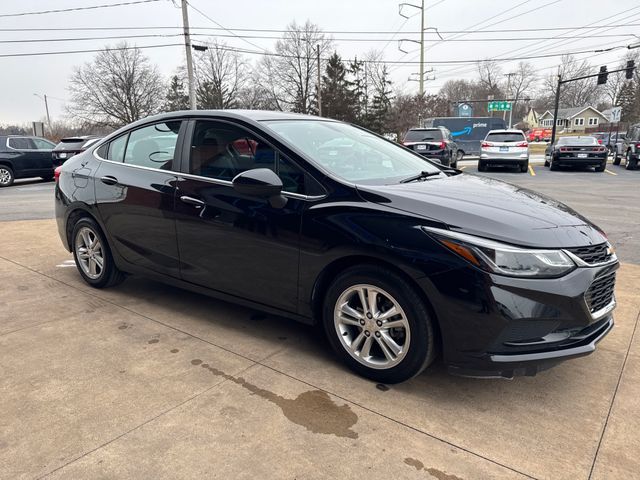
x: 135, y: 192
x: 233, y: 243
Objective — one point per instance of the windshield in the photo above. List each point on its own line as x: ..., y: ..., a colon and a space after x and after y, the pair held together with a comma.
x: 423, y: 135
x: 506, y: 137
x: 350, y: 152
x: 577, y: 141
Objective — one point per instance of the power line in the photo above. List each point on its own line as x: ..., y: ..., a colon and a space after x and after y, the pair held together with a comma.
x: 74, y: 9
x: 37, y: 54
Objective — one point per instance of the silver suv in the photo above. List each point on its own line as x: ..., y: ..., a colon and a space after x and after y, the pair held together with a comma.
x: 504, y: 147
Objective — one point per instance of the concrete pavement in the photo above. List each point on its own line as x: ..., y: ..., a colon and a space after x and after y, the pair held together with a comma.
x: 148, y: 381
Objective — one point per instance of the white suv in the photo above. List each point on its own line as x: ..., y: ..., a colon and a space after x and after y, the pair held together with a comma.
x: 504, y: 147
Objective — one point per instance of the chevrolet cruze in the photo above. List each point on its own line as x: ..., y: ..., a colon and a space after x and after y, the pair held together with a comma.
x: 400, y: 260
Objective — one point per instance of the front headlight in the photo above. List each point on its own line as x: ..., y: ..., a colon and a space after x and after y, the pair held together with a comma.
x: 495, y: 257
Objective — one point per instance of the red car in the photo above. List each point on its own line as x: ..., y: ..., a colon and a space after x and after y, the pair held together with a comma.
x: 539, y: 134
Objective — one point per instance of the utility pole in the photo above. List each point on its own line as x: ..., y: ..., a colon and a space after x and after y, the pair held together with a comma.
x: 46, y: 106
x: 421, y: 48
x: 504, y: 114
x: 319, y: 82
x: 555, y: 110
x: 187, y: 44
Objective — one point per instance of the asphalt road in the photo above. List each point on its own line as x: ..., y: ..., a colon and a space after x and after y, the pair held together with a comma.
x: 611, y: 199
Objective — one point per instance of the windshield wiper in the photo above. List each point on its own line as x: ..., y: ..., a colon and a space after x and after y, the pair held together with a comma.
x: 422, y: 175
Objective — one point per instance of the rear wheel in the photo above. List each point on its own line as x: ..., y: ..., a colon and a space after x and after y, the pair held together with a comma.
x: 93, y: 256
x: 616, y: 158
x: 6, y: 176
x: 630, y: 164
x: 378, y: 325
x: 601, y: 167
x: 482, y: 166
x: 524, y: 167
x: 553, y: 165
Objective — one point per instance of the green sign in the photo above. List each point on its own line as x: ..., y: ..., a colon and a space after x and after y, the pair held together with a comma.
x: 499, y: 106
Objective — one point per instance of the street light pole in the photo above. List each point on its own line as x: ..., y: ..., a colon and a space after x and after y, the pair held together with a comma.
x: 187, y: 45
x: 319, y: 81
x: 422, y: 47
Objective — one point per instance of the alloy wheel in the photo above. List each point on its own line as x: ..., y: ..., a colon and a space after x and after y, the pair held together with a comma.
x: 372, y: 326
x: 89, y: 253
x: 5, y: 177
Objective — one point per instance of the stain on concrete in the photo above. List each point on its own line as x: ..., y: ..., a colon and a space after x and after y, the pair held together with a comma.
x: 153, y: 340
x: 175, y: 350
x: 22, y: 288
x: 313, y: 410
x: 124, y: 326
x: 382, y: 387
x: 434, y: 472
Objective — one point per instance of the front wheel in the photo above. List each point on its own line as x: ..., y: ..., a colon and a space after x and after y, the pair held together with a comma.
x: 378, y: 325
x: 616, y: 159
x: 6, y: 176
x: 93, y: 256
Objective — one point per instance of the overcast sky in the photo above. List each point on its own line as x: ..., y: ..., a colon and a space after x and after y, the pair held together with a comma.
x: 22, y: 77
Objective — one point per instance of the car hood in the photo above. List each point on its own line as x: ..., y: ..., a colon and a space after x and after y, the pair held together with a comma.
x: 489, y: 208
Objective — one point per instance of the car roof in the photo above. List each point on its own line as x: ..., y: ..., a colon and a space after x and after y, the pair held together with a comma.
x: 420, y: 129
x: 505, y: 130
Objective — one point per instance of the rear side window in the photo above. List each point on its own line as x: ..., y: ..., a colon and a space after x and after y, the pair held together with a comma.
x: 21, y: 143
x: 116, y: 149
x: 423, y: 135
x: 42, y: 144
x: 153, y: 146
x: 510, y: 137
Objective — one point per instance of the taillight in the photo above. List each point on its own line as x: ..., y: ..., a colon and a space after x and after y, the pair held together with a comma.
x: 56, y: 173
x: 637, y: 145
x: 522, y: 144
x: 443, y: 146
x: 486, y: 145
x: 563, y: 149
x: 600, y: 141
x: 602, y: 149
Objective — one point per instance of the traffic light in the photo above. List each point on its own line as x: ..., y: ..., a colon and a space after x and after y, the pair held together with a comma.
x: 629, y: 70
x: 602, y: 76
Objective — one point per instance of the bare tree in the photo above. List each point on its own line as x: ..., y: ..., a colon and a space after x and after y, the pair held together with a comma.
x: 490, y: 76
x: 221, y: 75
x: 118, y: 87
x: 522, y: 81
x: 574, y: 94
x: 290, y: 77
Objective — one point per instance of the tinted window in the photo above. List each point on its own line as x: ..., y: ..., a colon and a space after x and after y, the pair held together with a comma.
x: 423, y: 135
x: 21, y: 143
x: 70, y: 144
x: 103, y: 151
x: 42, y: 144
x: 153, y: 146
x: 511, y: 137
x: 577, y: 141
x: 116, y: 148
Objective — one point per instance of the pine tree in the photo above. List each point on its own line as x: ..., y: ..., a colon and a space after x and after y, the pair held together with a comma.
x: 381, y: 104
x: 337, y: 97
x: 629, y: 100
x: 358, y: 84
x: 176, y: 98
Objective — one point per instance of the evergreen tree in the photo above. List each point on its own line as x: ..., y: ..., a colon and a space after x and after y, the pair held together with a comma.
x: 359, y: 90
x: 377, y: 117
x: 177, y: 98
x: 629, y: 100
x: 337, y: 97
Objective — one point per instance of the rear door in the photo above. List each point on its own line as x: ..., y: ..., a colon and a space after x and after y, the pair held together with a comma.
x: 135, y: 188
x: 43, y: 155
x: 23, y: 156
x: 233, y: 243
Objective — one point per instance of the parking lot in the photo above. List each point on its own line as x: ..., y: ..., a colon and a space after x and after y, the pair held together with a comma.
x: 147, y: 381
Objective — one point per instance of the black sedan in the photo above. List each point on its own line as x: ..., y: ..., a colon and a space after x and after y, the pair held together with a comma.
x: 397, y: 258
x: 576, y: 152
x: 24, y: 157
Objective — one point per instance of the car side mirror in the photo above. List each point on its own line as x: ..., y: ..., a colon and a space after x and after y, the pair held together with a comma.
x: 262, y: 183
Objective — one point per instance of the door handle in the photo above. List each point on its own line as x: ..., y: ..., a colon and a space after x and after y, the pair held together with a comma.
x: 109, y: 180
x: 192, y: 201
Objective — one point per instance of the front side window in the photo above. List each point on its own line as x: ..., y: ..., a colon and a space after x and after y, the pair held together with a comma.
x: 351, y: 153
x: 20, y: 143
x: 42, y: 144
x: 153, y: 146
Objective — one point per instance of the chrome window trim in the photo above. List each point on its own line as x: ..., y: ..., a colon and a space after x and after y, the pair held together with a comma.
x: 26, y: 149
x: 217, y: 181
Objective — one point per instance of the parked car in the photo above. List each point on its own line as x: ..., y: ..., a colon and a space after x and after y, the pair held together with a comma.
x: 70, y: 146
x: 506, y: 148
x: 24, y: 157
x: 396, y: 257
x: 539, y: 134
x: 617, y: 145
x: 576, y: 151
x: 434, y: 143
x: 630, y: 148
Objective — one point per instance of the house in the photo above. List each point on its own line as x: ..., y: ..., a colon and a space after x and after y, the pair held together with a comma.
x: 577, y: 119
x: 531, y: 118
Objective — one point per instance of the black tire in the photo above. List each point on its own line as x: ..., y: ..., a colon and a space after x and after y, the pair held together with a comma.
x: 482, y: 167
x: 630, y: 164
x: 553, y: 166
x: 109, y: 274
x: 616, y: 159
x: 459, y: 155
x: 6, y: 176
x: 602, y: 167
x: 524, y: 167
x: 421, y: 351
x: 546, y: 163
x: 537, y: 139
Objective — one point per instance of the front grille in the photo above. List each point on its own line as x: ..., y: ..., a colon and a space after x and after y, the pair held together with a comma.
x: 593, y: 253
x: 600, y: 293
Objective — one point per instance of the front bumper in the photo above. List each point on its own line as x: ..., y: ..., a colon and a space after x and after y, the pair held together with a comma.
x: 495, y: 326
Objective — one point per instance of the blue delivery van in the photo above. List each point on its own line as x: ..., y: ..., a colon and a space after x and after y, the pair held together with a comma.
x: 467, y: 132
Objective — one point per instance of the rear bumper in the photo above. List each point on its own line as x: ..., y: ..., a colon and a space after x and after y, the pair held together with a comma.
x: 506, y: 159
x: 567, y: 160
